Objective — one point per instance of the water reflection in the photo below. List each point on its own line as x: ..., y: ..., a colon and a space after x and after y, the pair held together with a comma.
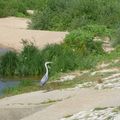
x: 7, y: 84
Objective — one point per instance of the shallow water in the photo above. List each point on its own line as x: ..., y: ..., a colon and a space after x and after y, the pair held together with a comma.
x: 7, y: 84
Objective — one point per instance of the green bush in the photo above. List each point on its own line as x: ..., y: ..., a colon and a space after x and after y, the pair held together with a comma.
x: 12, y: 8
x: 82, y: 39
x: 72, y: 14
x: 98, y: 30
x: 30, y: 61
x: 9, y: 64
x: 18, y: 7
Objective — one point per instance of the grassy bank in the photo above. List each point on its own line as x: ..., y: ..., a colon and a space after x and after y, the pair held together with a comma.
x: 72, y: 14
x: 30, y: 86
x: 19, y: 7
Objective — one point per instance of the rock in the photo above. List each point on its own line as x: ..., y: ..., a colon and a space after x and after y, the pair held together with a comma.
x: 100, y: 114
x: 30, y: 12
x: 99, y: 86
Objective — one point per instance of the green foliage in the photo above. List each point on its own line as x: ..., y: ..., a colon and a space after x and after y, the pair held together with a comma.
x: 8, y: 64
x: 82, y: 40
x: 72, y: 14
x: 30, y: 62
x: 25, y: 83
x: 98, y: 30
x: 12, y: 8
x: 18, y: 7
x: 62, y: 57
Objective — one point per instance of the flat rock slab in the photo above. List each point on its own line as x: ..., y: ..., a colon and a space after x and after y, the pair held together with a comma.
x: 86, y: 99
x: 17, y: 113
x: 68, y: 102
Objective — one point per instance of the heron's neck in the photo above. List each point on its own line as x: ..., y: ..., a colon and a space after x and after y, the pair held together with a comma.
x: 46, y: 68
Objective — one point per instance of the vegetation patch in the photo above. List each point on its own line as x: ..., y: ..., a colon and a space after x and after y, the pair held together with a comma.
x: 67, y: 116
x: 117, y: 110
x: 49, y: 101
x: 28, y: 86
x: 100, y: 108
x: 72, y: 14
x: 19, y: 8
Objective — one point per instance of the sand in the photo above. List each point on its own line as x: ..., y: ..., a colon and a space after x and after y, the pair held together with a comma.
x: 13, y: 30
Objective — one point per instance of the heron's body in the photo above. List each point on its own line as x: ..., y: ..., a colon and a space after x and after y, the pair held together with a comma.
x: 45, y: 77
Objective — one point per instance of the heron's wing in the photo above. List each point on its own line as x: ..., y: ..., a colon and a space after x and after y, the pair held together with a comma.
x: 44, y: 79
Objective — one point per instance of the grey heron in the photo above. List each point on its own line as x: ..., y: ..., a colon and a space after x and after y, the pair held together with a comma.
x: 45, y: 77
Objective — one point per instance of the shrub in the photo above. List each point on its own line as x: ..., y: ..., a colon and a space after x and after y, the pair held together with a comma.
x: 18, y: 7
x: 30, y: 60
x: 9, y: 64
x: 72, y: 14
x: 82, y: 39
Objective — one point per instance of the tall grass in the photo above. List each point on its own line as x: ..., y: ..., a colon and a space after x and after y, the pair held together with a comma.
x: 18, y: 7
x: 8, y: 64
x: 12, y: 8
x: 82, y: 39
x: 72, y: 14
x: 30, y: 60
x: 32, y: 63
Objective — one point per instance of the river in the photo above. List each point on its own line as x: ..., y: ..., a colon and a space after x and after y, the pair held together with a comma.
x: 7, y: 84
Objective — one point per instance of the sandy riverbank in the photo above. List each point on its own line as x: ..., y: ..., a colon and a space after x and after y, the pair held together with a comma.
x: 13, y: 29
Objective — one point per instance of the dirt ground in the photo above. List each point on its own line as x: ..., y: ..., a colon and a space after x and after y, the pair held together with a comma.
x: 13, y: 30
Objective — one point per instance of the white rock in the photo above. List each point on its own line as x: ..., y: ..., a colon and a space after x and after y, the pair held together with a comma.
x: 117, y: 117
x: 99, y: 86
